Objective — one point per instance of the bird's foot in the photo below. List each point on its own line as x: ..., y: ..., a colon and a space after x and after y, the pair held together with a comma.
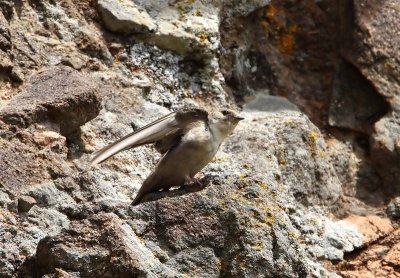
x: 192, y: 183
x: 197, y: 182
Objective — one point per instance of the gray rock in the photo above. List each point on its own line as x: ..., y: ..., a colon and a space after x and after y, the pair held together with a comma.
x: 245, y: 7
x: 393, y: 209
x: 385, y: 151
x: 355, y: 103
x: 5, y: 36
x: 20, y: 167
x: 4, y: 198
x: 100, y: 238
x: 125, y: 17
x: 25, y: 203
x: 59, y: 95
x: 373, y: 48
x: 378, y: 40
x: 248, y: 185
x: 48, y: 195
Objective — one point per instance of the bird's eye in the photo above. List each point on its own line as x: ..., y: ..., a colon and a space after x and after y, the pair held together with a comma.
x: 225, y: 112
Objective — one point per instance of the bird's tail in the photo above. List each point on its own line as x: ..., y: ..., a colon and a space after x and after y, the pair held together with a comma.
x: 146, y: 187
x: 139, y: 196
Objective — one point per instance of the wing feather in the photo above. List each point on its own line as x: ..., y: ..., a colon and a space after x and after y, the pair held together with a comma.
x: 151, y: 133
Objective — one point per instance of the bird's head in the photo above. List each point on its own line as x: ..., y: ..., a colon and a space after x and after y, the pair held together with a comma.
x: 226, y: 121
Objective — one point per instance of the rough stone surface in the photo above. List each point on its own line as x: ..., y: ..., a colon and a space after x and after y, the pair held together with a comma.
x: 372, y: 46
x: 379, y: 259
x: 125, y: 17
x: 355, y: 104
x: 393, y: 209
x: 89, y: 247
x: 385, y: 150
x: 58, y: 95
x: 5, y: 37
x: 284, y: 196
x: 25, y: 203
x: 372, y: 227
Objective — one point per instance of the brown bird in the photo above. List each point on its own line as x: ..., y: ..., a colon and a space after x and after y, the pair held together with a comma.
x: 188, y: 140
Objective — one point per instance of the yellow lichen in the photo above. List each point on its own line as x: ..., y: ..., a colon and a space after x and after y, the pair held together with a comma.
x: 242, y: 200
x: 220, y: 159
x: 313, y: 136
x: 203, y: 36
x: 141, y: 240
x: 314, y: 221
x: 270, y: 220
x: 264, y: 186
x: 259, y: 245
x: 234, y: 196
x: 293, y: 235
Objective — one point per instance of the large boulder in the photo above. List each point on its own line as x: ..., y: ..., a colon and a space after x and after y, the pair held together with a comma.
x: 59, y: 95
x: 372, y: 47
x: 244, y: 222
x: 125, y: 17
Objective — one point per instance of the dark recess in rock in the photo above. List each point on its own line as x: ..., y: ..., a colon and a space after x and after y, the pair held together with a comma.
x: 25, y: 203
x: 285, y: 48
x: 355, y: 104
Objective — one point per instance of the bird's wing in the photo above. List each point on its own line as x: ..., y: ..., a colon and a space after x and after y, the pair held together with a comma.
x: 166, y: 126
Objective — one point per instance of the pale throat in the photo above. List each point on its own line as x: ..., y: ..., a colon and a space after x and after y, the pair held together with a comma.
x: 220, y: 130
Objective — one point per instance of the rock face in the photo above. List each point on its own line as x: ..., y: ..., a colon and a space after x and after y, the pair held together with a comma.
x: 238, y: 221
x: 299, y: 189
x: 372, y: 37
x: 59, y: 95
x: 125, y: 17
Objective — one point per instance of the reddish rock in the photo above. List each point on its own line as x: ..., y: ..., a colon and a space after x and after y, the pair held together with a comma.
x: 372, y: 227
x: 48, y: 138
x: 378, y: 259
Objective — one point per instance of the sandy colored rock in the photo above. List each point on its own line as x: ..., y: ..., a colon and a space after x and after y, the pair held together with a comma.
x: 47, y: 137
x: 372, y: 227
x: 393, y: 256
x: 378, y: 259
x: 125, y: 17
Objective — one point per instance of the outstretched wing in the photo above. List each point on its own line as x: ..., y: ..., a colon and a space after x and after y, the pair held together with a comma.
x: 158, y: 130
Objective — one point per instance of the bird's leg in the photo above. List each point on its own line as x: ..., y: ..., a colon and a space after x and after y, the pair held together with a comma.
x: 197, y: 181
x: 192, y: 182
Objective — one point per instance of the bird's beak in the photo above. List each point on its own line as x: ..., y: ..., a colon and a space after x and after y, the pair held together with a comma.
x: 239, y: 118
